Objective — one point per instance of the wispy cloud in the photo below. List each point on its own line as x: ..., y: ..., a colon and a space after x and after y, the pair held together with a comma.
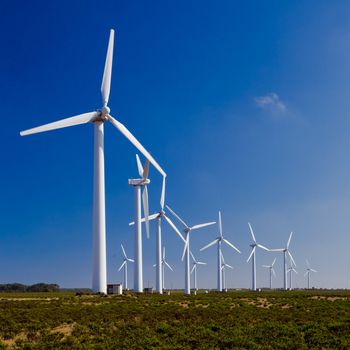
x: 271, y: 102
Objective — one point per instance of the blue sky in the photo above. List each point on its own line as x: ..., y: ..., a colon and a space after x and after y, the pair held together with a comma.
x: 244, y: 103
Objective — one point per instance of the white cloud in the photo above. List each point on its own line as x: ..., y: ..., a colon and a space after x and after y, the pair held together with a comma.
x: 271, y: 102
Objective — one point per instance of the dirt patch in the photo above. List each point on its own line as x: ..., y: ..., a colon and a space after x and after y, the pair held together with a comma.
x: 286, y: 306
x: 184, y: 305
x: 65, y: 329
x: 204, y: 306
x: 11, y: 343
x: 259, y: 302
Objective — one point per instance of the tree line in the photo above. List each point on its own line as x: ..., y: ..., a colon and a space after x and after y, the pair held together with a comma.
x: 38, y: 287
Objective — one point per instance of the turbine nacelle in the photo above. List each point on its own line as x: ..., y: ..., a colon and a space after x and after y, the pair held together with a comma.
x: 139, y: 182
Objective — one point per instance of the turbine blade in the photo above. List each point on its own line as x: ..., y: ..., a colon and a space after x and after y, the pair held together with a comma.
x: 135, y: 142
x: 121, y: 266
x: 273, y: 271
x: 163, y: 253
x: 193, y: 258
x: 231, y: 245
x: 252, y: 252
x: 139, y: 165
x: 168, y: 265
x: 131, y: 260
x: 273, y: 263
x: 146, y: 170
x: 201, y: 263
x: 229, y: 266
x: 220, y: 224
x: 209, y: 245
x: 174, y: 228
x: 306, y: 273
x: 291, y: 258
x: 307, y: 263
x: 162, y: 196
x: 277, y: 250
x: 196, y: 227
x: 63, y: 123
x: 290, y: 237
x: 222, y: 259
x: 107, y: 73
x: 124, y: 252
x: 263, y: 247
x: 251, y: 232
x: 177, y: 216
x: 194, y: 266
x: 266, y: 266
x: 150, y: 218
x: 313, y: 270
x: 145, y: 208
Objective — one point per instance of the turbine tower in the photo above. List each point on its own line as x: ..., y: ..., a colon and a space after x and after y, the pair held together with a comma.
x: 285, y: 252
x: 219, y: 241
x: 252, y: 255
x: 187, y: 229
x: 125, y: 265
x: 194, y: 270
x: 308, y: 271
x: 272, y: 271
x: 138, y: 184
x: 98, y: 118
x: 223, y: 266
x: 159, y: 215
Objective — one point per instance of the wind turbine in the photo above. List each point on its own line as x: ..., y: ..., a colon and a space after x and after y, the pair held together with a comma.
x: 137, y: 184
x: 159, y: 215
x: 98, y: 118
x: 290, y: 270
x: 194, y: 270
x: 252, y: 255
x: 308, y: 271
x: 219, y: 240
x: 223, y: 266
x: 285, y: 252
x: 125, y: 265
x: 187, y: 229
x: 163, y: 264
x: 272, y: 271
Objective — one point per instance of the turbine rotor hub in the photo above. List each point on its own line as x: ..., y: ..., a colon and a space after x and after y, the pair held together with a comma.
x: 105, y: 110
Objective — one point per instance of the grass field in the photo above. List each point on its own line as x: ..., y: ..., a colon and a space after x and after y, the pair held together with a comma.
x: 234, y: 320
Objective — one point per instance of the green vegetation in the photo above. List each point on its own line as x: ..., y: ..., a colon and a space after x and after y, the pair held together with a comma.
x: 38, y: 287
x: 235, y: 320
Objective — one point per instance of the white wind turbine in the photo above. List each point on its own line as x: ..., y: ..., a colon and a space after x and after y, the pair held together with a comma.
x: 125, y: 265
x: 285, y: 252
x: 194, y: 270
x: 162, y: 265
x: 290, y: 270
x: 138, y: 184
x: 308, y: 271
x: 223, y: 267
x: 98, y: 118
x: 219, y: 240
x: 187, y: 229
x: 252, y: 255
x: 272, y: 271
x: 159, y: 215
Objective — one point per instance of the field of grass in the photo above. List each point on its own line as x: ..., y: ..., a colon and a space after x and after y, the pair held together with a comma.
x: 234, y: 320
